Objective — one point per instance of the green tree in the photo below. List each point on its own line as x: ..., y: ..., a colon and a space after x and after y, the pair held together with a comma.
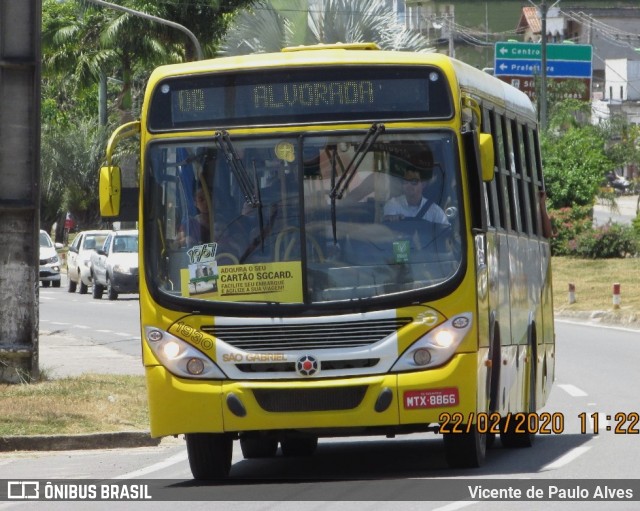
x: 274, y: 24
x: 83, y: 44
x: 623, y: 141
x: 575, y: 164
x: 73, y: 60
x: 71, y: 153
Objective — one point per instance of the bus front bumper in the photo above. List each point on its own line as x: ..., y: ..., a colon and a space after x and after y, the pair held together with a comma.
x: 179, y: 406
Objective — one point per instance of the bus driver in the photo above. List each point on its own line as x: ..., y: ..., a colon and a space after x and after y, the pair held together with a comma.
x: 412, y: 203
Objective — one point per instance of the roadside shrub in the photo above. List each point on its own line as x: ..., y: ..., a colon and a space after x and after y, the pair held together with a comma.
x: 636, y: 225
x: 568, y: 224
x: 607, y: 241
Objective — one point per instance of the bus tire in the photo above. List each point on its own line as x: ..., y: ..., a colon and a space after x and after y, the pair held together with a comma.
x: 298, y: 446
x: 209, y: 455
x: 520, y: 439
x: 465, y: 450
x: 258, y: 446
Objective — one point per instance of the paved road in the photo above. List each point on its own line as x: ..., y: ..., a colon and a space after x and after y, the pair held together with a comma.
x: 623, y: 213
x: 79, y: 334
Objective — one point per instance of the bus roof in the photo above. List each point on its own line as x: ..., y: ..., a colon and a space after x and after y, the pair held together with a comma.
x: 473, y: 81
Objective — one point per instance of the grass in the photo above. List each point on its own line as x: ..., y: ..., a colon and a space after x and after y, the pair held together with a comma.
x: 107, y: 403
x: 84, y: 404
x: 594, y: 280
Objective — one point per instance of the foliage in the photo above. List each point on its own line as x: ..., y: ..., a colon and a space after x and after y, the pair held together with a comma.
x: 576, y: 158
x: 577, y: 155
x: 635, y: 223
x: 70, y: 157
x: 574, y: 235
x: 622, y: 146
x: 606, y: 241
x: 575, y: 165
x: 274, y: 24
x: 568, y: 114
x: 567, y: 224
x: 83, y: 45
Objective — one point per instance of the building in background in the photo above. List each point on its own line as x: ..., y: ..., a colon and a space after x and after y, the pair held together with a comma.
x: 611, y: 31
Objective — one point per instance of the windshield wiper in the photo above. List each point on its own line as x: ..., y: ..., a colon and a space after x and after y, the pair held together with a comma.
x: 222, y: 139
x: 338, y: 188
x: 342, y: 184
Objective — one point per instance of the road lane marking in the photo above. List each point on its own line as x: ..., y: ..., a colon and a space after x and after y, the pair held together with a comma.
x: 566, y: 459
x: 572, y: 390
x: 176, y: 458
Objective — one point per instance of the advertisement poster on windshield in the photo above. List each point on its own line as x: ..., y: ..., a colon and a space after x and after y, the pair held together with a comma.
x: 279, y: 282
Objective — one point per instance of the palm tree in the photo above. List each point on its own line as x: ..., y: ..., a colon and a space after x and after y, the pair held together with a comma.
x: 83, y: 41
x: 274, y: 24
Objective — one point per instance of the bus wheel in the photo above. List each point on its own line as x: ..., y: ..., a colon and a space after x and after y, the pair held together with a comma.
x: 298, y: 446
x: 209, y: 455
x: 525, y: 435
x: 466, y: 449
x: 258, y: 446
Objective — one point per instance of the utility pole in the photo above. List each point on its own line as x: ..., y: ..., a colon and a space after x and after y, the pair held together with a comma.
x: 543, y: 65
x: 452, y: 50
x: 20, y: 58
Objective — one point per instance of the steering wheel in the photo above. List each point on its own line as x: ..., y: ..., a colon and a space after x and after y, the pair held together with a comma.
x: 286, y: 242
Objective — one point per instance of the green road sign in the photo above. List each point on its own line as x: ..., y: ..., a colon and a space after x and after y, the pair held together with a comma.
x: 533, y: 51
x: 524, y: 59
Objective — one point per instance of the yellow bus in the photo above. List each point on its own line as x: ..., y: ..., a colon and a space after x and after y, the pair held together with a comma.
x: 336, y: 241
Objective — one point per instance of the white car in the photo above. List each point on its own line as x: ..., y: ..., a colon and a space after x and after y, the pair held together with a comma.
x: 49, y: 261
x: 114, y: 266
x: 79, y: 259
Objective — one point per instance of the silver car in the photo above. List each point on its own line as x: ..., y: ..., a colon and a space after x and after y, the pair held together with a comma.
x: 79, y: 259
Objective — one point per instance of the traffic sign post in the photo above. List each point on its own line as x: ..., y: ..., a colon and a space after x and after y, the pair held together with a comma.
x: 519, y: 63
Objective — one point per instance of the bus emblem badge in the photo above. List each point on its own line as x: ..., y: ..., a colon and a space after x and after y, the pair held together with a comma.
x: 307, y: 365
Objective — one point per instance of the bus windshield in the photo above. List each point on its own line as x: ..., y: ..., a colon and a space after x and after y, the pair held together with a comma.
x: 309, y: 218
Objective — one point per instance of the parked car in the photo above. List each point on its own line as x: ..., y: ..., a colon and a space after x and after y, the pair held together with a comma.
x: 79, y: 259
x: 49, y: 261
x: 114, y: 266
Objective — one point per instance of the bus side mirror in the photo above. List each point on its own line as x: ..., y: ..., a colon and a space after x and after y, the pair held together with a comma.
x: 110, y: 191
x: 487, y: 157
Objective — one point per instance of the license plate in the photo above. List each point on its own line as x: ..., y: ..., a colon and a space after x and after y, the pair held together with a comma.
x: 431, y: 398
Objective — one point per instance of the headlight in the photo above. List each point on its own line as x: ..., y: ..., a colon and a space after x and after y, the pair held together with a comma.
x: 180, y: 357
x: 52, y: 260
x: 436, y: 347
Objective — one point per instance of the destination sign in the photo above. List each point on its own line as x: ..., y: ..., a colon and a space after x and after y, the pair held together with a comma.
x: 300, y: 95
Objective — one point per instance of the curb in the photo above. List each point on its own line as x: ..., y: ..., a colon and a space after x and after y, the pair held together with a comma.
x: 604, y: 318
x: 121, y: 439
